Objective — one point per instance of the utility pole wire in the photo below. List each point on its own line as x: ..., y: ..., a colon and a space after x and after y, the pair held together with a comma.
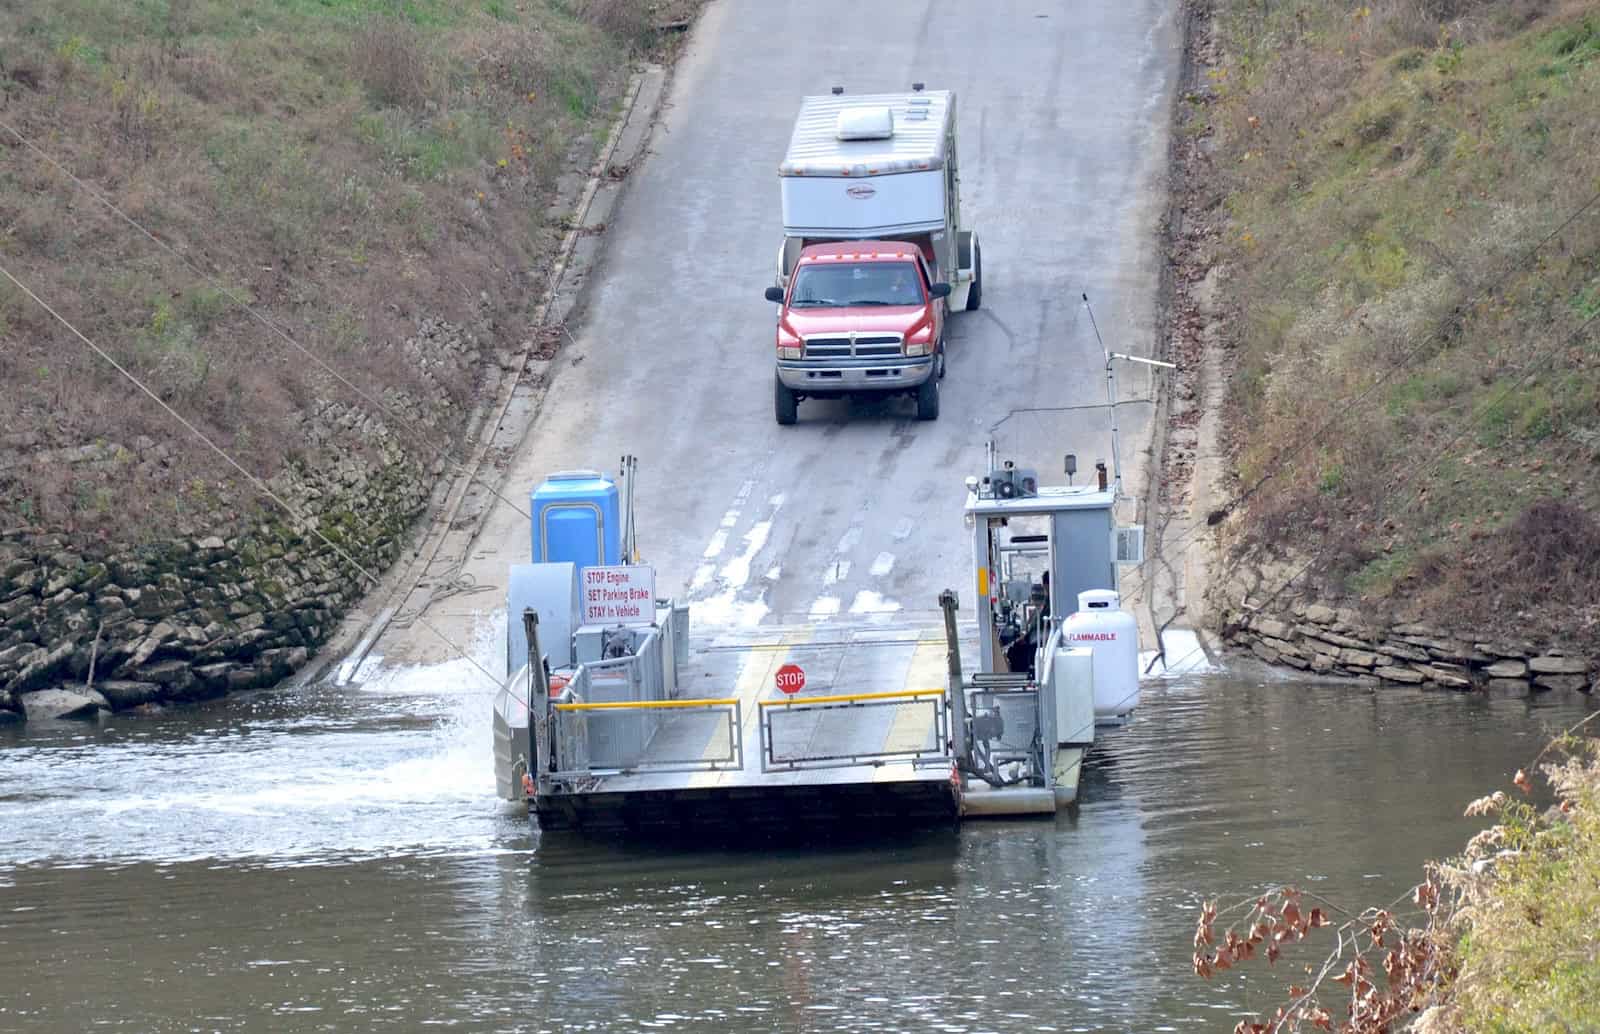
x: 401, y: 421
x: 1346, y: 410
x: 1556, y: 346
x: 260, y: 485
x: 1187, y: 540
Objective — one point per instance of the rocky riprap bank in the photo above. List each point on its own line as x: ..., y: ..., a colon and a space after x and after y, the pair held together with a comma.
x: 236, y: 603
x: 1341, y: 640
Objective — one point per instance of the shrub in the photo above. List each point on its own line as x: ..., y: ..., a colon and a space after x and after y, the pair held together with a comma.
x: 627, y: 20
x: 392, y: 63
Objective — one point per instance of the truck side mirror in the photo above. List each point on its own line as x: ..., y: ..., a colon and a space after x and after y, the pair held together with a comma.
x: 939, y: 290
x: 775, y: 294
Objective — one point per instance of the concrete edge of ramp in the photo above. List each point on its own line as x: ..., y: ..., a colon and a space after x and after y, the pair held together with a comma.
x: 627, y: 142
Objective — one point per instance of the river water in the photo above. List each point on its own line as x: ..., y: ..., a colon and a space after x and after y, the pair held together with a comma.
x: 335, y: 860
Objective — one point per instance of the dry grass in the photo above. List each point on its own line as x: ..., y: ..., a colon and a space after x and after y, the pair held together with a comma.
x: 390, y: 58
x: 1528, y: 889
x: 625, y: 19
x: 348, y: 166
x: 1417, y: 363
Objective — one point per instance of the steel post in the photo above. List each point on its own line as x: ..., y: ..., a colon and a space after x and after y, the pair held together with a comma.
x: 954, y: 686
x: 538, y: 701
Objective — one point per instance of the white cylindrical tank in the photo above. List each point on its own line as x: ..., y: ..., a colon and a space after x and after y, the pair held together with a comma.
x: 1113, y: 635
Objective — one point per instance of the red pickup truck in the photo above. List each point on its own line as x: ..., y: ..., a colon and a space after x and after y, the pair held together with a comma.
x: 860, y: 318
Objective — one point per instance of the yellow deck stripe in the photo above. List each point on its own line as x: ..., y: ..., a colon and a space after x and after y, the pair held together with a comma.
x: 899, y: 694
x: 644, y: 705
x: 910, y: 727
x: 755, y: 678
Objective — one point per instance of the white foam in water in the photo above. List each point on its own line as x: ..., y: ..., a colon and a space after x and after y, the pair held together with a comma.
x: 1184, y: 656
x: 399, y: 766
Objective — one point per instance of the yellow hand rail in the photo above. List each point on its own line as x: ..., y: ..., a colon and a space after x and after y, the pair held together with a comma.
x: 618, y: 705
x: 904, y: 694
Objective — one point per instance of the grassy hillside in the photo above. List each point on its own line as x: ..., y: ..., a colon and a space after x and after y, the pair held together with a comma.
x: 350, y: 167
x: 1412, y: 192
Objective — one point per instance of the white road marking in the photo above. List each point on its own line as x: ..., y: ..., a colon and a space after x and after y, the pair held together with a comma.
x: 824, y: 607
x: 718, y: 543
x: 869, y: 602
x: 737, y: 571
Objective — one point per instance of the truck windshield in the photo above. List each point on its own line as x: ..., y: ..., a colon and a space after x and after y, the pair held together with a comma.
x: 858, y: 283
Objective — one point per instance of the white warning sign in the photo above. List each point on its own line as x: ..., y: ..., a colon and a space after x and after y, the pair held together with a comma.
x: 619, y: 595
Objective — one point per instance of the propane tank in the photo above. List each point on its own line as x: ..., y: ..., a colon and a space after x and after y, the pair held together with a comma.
x: 1113, y: 635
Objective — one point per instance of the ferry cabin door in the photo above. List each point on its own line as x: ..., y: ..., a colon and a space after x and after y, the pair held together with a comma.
x: 1083, y: 559
x: 1017, y: 589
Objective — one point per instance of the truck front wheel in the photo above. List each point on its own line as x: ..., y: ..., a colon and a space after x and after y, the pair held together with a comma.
x: 928, y: 399
x: 785, y: 406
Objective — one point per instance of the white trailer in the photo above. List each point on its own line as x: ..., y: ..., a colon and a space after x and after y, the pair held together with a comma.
x: 880, y: 167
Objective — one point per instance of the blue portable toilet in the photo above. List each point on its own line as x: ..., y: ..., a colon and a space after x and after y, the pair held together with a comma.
x: 577, y: 519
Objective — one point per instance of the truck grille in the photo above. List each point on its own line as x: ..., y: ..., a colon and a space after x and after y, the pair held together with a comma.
x: 866, y: 346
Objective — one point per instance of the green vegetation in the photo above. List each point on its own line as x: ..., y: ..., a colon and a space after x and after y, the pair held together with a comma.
x: 348, y: 167
x: 1413, y: 241
x: 1525, y: 937
x: 1498, y: 940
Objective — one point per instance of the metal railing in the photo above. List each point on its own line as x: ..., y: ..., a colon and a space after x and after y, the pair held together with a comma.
x: 611, y: 715
x: 808, y: 716
x: 594, y: 739
x: 1019, y: 713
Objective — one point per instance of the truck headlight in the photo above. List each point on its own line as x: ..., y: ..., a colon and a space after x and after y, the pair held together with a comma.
x: 916, y: 348
x: 789, y: 352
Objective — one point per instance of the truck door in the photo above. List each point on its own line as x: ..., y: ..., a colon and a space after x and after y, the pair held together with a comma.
x: 929, y: 278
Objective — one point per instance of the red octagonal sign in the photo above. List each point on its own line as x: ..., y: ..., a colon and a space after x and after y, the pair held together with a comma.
x: 791, y: 679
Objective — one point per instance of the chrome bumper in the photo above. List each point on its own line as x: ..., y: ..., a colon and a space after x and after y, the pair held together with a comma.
x: 841, y: 376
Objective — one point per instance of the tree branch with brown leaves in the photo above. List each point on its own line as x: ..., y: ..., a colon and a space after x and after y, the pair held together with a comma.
x: 1368, y: 947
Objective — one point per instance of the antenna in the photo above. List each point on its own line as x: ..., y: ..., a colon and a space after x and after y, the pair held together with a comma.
x: 1111, y: 392
x: 630, y: 545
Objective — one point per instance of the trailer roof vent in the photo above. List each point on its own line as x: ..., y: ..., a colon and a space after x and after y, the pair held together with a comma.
x: 865, y: 124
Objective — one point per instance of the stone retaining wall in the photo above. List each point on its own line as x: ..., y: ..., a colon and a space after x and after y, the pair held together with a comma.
x: 237, y: 602
x: 1343, y: 640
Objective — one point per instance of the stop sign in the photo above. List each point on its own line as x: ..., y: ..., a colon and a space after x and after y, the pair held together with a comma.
x: 791, y: 679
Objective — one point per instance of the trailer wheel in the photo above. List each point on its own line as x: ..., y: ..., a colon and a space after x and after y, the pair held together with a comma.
x: 785, y: 406
x: 975, y: 292
x: 928, y: 399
